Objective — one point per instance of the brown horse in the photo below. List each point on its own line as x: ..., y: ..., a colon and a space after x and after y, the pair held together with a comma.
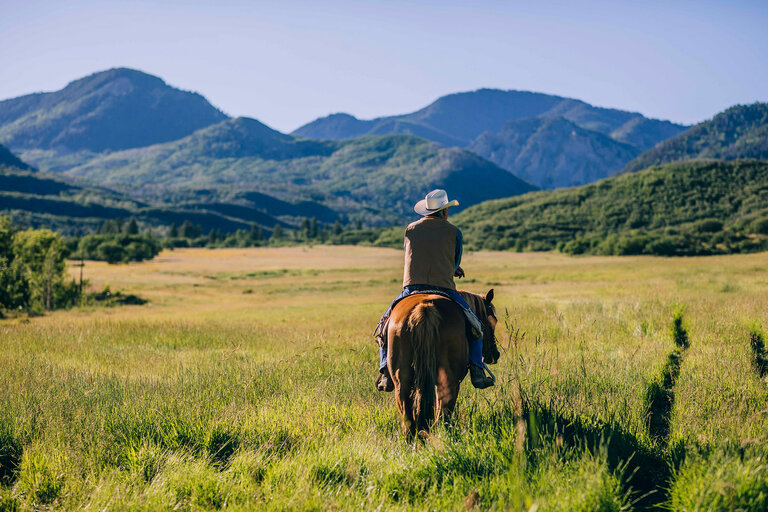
x: 428, y: 354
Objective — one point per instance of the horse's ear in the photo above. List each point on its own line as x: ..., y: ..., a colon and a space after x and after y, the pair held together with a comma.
x: 489, y: 296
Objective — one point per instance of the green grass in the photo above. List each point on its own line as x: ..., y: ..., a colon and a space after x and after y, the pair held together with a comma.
x: 210, y: 398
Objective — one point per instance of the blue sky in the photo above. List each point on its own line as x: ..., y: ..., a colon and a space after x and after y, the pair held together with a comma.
x: 290, y: 61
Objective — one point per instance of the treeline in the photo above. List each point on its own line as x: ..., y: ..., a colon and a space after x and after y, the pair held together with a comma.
x: 310, y: 230
x: 122, y: 241
x: 33, y: 270
x: 117, y: 241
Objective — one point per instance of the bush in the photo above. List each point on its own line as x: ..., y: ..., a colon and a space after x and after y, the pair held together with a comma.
x: 109, y: 251
x: 760, y: 226
x: 116, y: 248
x: 664, y: 246
x: 576, y: 246
x: 708, y: 226
x: 629, y: 245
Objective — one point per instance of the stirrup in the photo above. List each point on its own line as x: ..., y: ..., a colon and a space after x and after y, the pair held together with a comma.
x: 485, y: 367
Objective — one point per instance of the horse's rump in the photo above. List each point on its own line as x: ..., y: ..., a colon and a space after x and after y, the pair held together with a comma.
x: 422, y: 328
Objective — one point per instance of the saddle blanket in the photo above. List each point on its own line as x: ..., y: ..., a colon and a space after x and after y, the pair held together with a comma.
x: 474, y: 323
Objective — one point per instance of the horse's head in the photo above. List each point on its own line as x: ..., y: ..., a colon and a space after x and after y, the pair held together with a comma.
x: 490, y: 350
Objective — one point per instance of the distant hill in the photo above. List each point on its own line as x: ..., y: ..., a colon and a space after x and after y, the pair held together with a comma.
x: 739, y: 132
x: 111, y: 110
x: 35, y: 200
x: 703, y: 207
x: 553, y: 152
x: 46, y: 200
x: 463, y: 119
x: 378, y: 177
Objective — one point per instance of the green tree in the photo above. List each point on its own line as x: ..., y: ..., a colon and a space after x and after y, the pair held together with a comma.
x: 44, y: 253
x: 313, y: 228
x: 131, y: 228
x: 277, y: 232
x: 173, y: 231
x: 14, y: 285
x: 304, y: 229
x: 110, y: 252
x: 189, y: 230
x: 6, y: 239
x: 256, y: 234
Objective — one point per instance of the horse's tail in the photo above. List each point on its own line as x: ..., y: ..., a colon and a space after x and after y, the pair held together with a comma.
x: 424, y: 324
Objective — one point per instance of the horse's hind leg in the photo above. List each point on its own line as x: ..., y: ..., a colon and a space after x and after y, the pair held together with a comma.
x: 447, y: 393
x: 403, y: 378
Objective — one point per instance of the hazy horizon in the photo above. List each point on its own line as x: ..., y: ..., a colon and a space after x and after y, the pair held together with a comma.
x: 289, y: 63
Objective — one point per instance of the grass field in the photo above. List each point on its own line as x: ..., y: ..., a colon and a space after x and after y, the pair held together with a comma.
x: 247, y: 382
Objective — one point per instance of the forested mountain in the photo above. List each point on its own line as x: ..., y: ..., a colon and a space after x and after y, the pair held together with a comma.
x: 704, y: 207
x: 479, y: 120
x: 739, y: 132
x: 370, y: 175
x: 114, y: 109
x: 39, y: 199
x: 8, y: 159
x: 552, y: 151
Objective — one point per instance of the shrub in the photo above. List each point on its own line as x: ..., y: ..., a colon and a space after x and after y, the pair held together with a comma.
x: 708, y: 226
x: 629, y: 245
x: 110, y: 252
x: 116, y: 248
x: 760, y: 226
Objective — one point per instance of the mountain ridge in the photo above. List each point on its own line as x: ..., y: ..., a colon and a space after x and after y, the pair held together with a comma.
x: 738, y: 132
x: 470, y: 119
x: 384, y: 173
x: 114, y: 109
x: 491, y: 109
x: 582, y: 156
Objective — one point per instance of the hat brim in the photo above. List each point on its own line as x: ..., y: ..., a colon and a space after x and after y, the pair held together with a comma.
x: 421, y: 207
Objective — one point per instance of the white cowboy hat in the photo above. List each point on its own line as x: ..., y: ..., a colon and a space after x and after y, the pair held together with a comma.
x: 434, y: 202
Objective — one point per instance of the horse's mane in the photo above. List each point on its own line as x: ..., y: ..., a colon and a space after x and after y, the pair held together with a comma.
x: 478, y: 305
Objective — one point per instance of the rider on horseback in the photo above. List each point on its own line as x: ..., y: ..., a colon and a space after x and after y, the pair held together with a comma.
x: 433, y: 248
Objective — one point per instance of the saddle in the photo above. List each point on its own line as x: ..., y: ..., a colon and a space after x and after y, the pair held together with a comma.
x: 474, y: 326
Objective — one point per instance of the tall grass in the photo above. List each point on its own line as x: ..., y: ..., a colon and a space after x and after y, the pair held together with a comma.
x: 211, y: 398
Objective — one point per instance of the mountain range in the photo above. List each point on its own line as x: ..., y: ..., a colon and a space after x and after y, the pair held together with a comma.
x: 123, y: 143
x: 131, y: 131
x: 486, y: 122
x: 379, y: 176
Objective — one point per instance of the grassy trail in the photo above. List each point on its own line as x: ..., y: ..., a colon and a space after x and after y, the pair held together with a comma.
x: 247, y: 381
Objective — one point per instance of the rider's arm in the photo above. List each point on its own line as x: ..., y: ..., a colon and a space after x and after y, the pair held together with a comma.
x: 459, y: 248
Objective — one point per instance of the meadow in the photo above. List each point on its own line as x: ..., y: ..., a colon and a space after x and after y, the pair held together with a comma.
x: 246, y: 382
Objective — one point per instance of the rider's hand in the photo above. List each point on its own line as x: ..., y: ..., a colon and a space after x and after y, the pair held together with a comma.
x: 459, y: 272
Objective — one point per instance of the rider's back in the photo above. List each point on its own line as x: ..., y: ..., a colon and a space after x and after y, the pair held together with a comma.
x: 430, y: 253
